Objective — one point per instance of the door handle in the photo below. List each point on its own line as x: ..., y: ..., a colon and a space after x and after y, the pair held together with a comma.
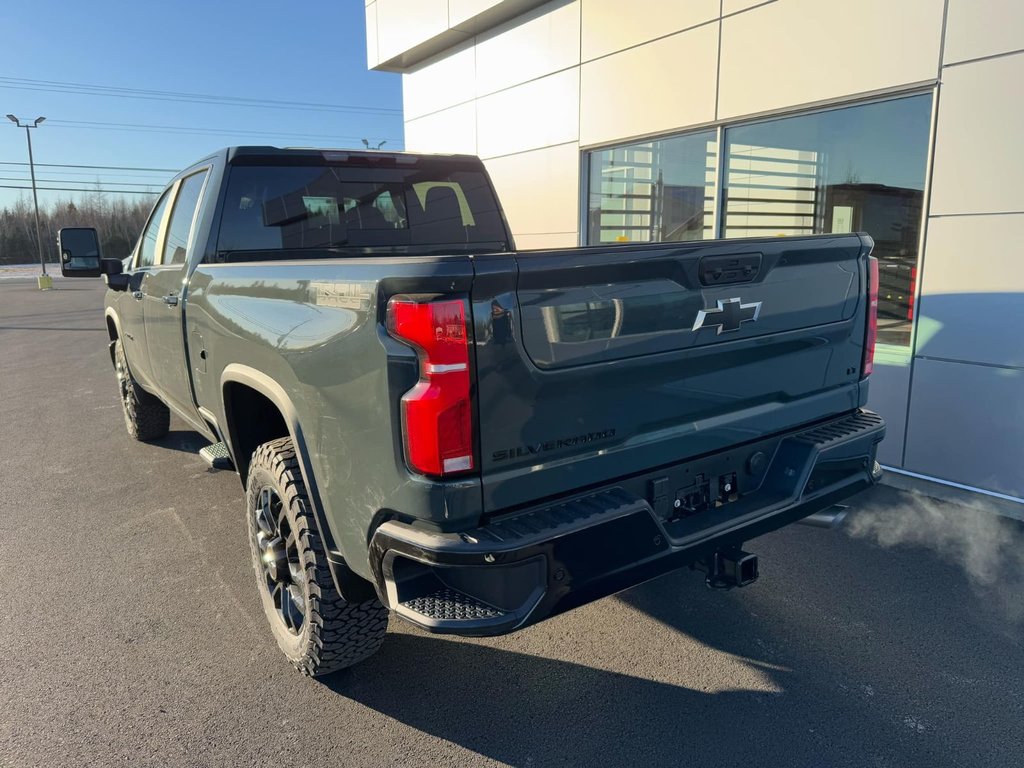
x: 171, y: 301
x: 137, y: 295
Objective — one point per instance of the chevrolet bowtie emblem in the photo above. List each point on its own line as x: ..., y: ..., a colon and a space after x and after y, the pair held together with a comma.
x: 728, y: 316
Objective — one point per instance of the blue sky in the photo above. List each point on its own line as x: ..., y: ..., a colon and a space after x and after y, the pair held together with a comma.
x: 295, y: 52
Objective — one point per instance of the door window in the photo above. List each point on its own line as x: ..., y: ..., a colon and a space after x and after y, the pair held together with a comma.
x: 147, y: 248
x: 180, y: 226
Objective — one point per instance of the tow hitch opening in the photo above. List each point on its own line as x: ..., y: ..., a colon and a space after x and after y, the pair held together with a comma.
x: 732, y: 567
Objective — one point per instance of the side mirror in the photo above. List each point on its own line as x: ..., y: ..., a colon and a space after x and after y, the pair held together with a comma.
x: 113, y: 274
x: 79, y: 252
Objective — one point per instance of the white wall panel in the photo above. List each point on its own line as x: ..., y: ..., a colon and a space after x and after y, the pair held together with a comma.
x: 978, y: 158
x: 463, y: 10
x: 610, y: 25
x: 976, y: 28
x: 539, y: 190
x: 441, y: 82
x: 972, y: 297
x: 800, y: 51
x: 404, y: 24
x: 735, y: 6
x: 547, y: 240
x: 660, y: 86
x: 536, y: 44
x: 451, y: 130
x: 536, y: 114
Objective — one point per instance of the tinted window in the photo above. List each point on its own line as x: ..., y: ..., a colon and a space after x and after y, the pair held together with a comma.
x: 147, y: 248
x: 324, y: 206
x: 180, y: 225
x: 653, y: 191
x: 855, y: 169
x: 851, y: 169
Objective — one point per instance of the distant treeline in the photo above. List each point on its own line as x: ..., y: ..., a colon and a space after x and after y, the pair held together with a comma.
x: 118, y: 221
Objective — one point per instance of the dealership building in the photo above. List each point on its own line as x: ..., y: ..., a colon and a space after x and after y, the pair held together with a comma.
x: 602, y: 121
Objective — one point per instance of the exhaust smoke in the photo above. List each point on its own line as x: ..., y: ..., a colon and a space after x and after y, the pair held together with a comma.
x: 989, y: 547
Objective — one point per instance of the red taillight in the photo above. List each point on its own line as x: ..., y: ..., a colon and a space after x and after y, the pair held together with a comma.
x: 871, y: 336
x: 437, y: 414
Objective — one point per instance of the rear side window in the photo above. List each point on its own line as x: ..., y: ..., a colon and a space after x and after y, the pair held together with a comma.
x: 293, y: 207
x: 180, y: 226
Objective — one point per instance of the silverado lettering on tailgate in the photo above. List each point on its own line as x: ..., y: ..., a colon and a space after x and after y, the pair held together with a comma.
x: 551, y: 445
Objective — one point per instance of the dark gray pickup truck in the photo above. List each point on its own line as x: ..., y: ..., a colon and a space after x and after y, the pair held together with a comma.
x: 427, y: 421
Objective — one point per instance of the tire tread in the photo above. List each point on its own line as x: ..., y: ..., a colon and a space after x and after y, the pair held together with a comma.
x: 145, y: 415
x: 341, y: 633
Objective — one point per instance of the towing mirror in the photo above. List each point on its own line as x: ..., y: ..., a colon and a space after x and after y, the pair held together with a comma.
x: 113, y: 274
x: 79, y: 252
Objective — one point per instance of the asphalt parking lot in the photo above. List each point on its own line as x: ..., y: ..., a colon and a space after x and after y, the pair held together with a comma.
x: 132, y: 633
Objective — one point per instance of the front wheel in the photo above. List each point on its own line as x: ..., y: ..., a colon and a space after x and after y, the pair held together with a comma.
x: 145, y: 416
x: 317, y: 629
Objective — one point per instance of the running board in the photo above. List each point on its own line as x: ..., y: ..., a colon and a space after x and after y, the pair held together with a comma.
x: 217, y: 456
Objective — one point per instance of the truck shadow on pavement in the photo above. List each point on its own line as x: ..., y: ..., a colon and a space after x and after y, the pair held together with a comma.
x: 184, y: 440
x: 882, y: 686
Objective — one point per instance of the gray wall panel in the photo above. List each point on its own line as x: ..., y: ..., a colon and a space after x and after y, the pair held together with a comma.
x: 887, y: 394
x: 967, y: 425
x: 972, y: 304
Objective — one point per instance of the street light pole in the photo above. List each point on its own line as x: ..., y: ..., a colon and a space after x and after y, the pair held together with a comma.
x: 35, y: 197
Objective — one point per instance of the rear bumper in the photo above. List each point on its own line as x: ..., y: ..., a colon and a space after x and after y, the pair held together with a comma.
x: 525, y: 567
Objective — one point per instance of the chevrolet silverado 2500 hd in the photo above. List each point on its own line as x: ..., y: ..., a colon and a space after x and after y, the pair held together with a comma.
x: 426, y: 420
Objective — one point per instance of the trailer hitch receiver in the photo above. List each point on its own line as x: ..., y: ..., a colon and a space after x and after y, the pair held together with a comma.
x: 731, y: 567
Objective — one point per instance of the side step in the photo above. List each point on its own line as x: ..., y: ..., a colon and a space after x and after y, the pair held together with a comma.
x: 448, y: 604
x: 216, y: 455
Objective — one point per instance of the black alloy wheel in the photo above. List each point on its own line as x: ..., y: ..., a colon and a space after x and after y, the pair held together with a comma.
x: 280, y: 563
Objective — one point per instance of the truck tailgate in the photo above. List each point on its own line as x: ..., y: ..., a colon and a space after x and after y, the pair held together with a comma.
x: 595, y: 363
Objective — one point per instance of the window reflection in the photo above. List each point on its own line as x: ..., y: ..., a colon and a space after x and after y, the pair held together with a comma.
x: 654, y: 191
x: 855, y: 169
x: 574, y: 323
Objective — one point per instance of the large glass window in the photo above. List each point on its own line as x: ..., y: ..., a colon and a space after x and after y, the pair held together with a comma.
x: 654, y: 191
x: 854, y: 169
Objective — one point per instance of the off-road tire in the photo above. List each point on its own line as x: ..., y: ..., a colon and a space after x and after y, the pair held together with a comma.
x: 335, y: 633
x: 145, y: 416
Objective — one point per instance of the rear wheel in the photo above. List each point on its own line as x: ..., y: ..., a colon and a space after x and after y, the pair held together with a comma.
x: 317, y: 629
x: 145, y: 416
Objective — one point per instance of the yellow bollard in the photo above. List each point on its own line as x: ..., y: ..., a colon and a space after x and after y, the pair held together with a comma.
x: 45, y: 282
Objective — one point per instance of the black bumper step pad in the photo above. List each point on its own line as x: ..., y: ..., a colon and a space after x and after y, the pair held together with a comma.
x: 843, y: 429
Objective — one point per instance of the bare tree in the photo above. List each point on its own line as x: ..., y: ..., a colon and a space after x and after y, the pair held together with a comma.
x: 118, y: 221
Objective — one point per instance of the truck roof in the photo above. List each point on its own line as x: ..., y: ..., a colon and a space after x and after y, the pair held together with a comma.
x: 254, y: 154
